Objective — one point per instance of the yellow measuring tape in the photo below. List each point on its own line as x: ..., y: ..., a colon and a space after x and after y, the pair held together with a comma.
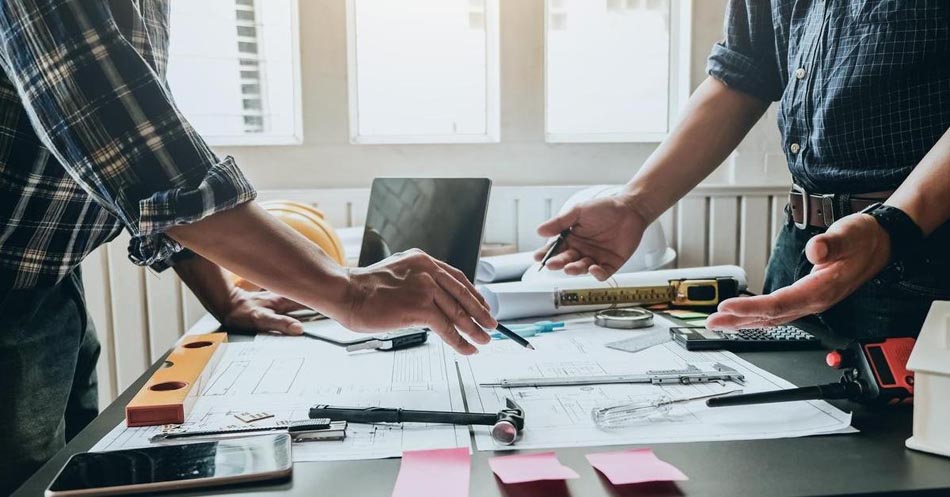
x: 685, y: 292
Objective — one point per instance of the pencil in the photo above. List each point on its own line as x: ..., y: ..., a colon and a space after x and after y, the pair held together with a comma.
x: 514, y: 336
x: 554, y: 247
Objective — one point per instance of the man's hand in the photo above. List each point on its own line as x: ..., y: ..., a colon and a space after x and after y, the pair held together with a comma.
x: 260, y: 311
x: 851, y: 252
x: 413, y: 289
x: 604, y: 234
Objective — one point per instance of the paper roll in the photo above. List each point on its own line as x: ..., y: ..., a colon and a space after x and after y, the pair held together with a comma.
x: 503, y: 267
x: 520, y: 299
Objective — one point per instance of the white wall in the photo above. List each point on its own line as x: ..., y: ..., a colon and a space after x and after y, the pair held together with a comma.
x: 326, y: 159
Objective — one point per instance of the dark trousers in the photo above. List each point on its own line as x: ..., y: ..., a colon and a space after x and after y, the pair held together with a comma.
x: 893, y: 304
x: 48, y: 353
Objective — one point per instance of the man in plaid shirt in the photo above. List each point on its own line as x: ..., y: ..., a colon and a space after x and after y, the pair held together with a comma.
x: 864, y: 92
x: 91, y: 143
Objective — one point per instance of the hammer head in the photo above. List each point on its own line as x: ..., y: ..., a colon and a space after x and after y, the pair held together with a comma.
x: 510, y: 423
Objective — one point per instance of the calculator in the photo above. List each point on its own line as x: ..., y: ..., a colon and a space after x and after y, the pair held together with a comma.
x: 773, y: 338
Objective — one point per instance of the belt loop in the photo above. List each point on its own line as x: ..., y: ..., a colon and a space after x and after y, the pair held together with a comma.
x: 844, y: 205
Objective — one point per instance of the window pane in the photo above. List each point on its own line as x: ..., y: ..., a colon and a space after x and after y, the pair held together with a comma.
x: 422, y: 68
x: 607, y: 68
x: 231, y: 66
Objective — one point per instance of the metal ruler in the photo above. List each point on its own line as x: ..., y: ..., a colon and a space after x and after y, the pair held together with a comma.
x: 686, y: 376
x: 332, y: 429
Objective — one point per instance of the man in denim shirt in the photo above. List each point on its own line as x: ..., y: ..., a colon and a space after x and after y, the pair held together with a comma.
x: 864, y: 92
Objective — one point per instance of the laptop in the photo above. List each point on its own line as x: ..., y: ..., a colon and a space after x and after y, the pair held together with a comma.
x: 444, y: 217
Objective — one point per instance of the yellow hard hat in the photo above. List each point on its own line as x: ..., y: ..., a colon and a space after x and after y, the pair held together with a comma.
x: 309, y: 222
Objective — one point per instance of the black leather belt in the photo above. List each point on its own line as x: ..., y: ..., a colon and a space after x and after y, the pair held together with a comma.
x: 820, y: 211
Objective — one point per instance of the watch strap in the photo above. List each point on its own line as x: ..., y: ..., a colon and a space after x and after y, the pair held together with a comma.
x: 905, y: 235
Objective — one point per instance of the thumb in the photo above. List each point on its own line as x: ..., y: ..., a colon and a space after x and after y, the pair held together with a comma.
x: 829, y: 247
x: 557, y: 224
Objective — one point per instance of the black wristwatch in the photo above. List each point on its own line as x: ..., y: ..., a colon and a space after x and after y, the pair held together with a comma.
x: 906, y: 236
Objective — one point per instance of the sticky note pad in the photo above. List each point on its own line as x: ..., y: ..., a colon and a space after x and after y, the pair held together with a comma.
x: 634, y: 466
x: 685, y: 314
x: 433, y: 473
x: 523, y: 468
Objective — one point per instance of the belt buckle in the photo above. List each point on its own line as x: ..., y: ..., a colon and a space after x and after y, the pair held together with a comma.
x: 828, y: 209
x: 806, y: 208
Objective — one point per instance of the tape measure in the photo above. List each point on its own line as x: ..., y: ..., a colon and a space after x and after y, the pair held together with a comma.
x: 683, y: 292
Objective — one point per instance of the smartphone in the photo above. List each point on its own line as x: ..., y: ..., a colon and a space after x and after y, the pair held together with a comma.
x: 175, y: 467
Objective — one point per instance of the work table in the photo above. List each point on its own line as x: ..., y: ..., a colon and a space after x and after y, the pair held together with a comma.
x: 873, y: 461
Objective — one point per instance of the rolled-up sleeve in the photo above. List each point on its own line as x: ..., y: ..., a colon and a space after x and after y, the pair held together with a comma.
x: 109, y: 119
x: 747, y: 58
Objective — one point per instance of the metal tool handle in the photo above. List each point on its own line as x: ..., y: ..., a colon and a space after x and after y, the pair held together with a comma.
x: 846, y: 390
x: 386, y: 415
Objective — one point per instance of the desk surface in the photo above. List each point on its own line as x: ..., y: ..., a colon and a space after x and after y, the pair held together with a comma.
x: 871, y: 462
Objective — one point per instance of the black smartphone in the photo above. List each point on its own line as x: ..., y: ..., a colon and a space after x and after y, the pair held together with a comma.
x: 175, y: 467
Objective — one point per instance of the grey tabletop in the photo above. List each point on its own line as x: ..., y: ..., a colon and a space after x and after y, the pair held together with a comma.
x: 872, y: 462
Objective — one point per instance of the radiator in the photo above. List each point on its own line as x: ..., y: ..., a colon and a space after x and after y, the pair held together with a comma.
x: 139, y: 313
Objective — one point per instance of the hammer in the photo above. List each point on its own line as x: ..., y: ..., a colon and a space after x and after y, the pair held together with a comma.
x: 506, y: 425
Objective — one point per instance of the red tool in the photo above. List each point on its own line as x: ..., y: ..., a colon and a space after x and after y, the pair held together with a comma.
x: 874, y: 372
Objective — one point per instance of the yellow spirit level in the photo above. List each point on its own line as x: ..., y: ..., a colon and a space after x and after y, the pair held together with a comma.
x: 683, y: 292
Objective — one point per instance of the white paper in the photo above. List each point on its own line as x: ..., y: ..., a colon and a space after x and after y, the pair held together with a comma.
x: 561, y: 416
x: 285, y: 376
x: 503, y: 267
x: 526, y: 299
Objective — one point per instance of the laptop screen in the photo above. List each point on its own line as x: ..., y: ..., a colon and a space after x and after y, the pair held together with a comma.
x: 442, y: 216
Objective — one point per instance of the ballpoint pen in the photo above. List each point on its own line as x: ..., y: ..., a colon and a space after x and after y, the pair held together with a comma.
x: 554, y: 247
x: 514, y: 336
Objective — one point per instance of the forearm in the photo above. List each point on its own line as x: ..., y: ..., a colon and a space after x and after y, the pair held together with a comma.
x: 714, y: 122
x: 209, y: 283
x: 253, y: 244
x: 925, y: 194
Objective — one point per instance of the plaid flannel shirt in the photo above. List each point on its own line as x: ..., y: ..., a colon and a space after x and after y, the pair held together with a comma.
x: 91, y: 140
x: 864, y: 85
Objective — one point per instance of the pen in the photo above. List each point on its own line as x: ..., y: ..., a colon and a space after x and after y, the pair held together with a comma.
x: 514, y: 336
x: 554, y: 246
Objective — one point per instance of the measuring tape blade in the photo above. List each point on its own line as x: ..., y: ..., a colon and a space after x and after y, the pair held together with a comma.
x: 614, y: 296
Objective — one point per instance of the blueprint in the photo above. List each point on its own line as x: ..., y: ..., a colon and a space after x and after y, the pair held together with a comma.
x: 285, y: 376
x: 561, y: 416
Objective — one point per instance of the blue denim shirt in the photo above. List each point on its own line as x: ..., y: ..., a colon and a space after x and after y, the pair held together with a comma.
x: 864, y: 86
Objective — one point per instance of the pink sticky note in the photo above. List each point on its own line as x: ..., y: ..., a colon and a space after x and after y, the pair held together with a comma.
x: 433, y: 473
x: 634, y: 466
x: 530, y: 467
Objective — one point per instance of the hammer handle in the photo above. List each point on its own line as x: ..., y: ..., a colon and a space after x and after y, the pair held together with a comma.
x: 388, y: 415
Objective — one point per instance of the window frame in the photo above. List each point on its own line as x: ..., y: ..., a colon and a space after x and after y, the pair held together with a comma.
x: 492, y: 88
x: 679, y: 81
x: 262, y: 139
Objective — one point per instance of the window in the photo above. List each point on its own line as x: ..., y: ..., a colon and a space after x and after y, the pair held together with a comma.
x: 233, y: 69
x: 423, y: 71
x: 612, y: 69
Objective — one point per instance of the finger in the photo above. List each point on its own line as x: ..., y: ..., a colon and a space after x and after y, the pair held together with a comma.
x: 462, y: 296
x: 283, y: 305
x: 812, y: 294
x: 271, y: 321
x: 725, y: 321
x: 601, y: 272
x: 460, y: 276
x: 557, y: 224
x: 437, y: 321
x: 579, y: 267
x: 461, y: 319
x: 560, y: 260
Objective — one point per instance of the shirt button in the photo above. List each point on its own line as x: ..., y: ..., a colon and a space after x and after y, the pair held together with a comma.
x: 794, y: 148
x: 800, y: 73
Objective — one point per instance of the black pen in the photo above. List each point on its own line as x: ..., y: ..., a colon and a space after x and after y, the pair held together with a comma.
x: 554, y: 246
x: 514, y: 336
